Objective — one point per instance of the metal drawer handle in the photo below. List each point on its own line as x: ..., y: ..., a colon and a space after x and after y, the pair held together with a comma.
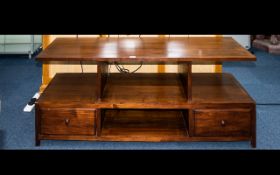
x: 67, y: 121
x: 223, y: 123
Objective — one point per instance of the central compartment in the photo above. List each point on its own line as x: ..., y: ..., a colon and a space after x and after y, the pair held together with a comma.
x: 144, y: 125
x: 142, y: 89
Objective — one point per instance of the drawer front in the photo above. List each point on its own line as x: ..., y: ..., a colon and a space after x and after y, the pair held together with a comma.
x: 68, y: 122
x: 216, y: 123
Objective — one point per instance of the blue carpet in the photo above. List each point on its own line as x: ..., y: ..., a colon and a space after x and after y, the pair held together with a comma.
x: 20, y: 78
x: 260, y: 78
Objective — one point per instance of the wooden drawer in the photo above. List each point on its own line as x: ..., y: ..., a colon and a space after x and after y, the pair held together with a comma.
x: 221, y: 122
x: 67, y: 122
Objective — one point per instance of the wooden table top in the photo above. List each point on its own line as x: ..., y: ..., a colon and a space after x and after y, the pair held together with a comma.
x: 146, y: 49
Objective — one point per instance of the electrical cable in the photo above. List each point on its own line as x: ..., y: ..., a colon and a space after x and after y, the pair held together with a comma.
x: 82, y: 67
x: 137, y: 68
x: 108, y: 74
x: 122, y: 69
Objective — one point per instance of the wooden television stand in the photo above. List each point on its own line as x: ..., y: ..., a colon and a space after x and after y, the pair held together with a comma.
x: 150, y: 107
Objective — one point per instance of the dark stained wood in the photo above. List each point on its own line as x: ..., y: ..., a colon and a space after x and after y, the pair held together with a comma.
x: 166, y: 91
x: 185, y: 115
x: 149, y: 50
x: 131, y: 138
x: 66, y: 137
x: 222, y: 122
x: 218, y: 88
x: 147, y: 124
x: 102, y: 75
x: 37, y: 125
x: 253, y: 127
x: 67, y: 121
x: 189, y: 84
x: 98, y: 122
x: 185, y: 72
x: 191, y: 122
x: 68, y: 90
x: 144, y: 90
x: 181, y: 106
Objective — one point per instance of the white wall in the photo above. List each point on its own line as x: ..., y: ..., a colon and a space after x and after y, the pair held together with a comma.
x: 19, y: 44
x: 244, y: 40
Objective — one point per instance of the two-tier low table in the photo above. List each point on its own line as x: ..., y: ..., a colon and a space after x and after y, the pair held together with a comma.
x: 148, y: 107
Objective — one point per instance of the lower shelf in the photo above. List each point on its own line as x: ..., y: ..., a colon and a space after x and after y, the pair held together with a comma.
x: 144, y: 125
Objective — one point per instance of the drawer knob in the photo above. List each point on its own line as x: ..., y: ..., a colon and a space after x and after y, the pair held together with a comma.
x: 67, y: 121
x: 223, y: 123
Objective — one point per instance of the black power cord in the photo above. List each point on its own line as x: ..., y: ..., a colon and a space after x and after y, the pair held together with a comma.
x: 122, y: 69
x: 82, y: 67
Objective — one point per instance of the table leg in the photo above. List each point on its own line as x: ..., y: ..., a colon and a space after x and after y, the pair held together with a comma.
x: 185, y: 72
x: 102, y: 75
x: 253, y: 126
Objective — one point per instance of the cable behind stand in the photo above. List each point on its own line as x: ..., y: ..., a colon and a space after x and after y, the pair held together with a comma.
x: 122, y: 69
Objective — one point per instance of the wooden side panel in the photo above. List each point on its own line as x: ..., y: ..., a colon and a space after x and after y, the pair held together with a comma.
x: 185, y: 73
x: 254, y: 127
x: 102, y: 75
